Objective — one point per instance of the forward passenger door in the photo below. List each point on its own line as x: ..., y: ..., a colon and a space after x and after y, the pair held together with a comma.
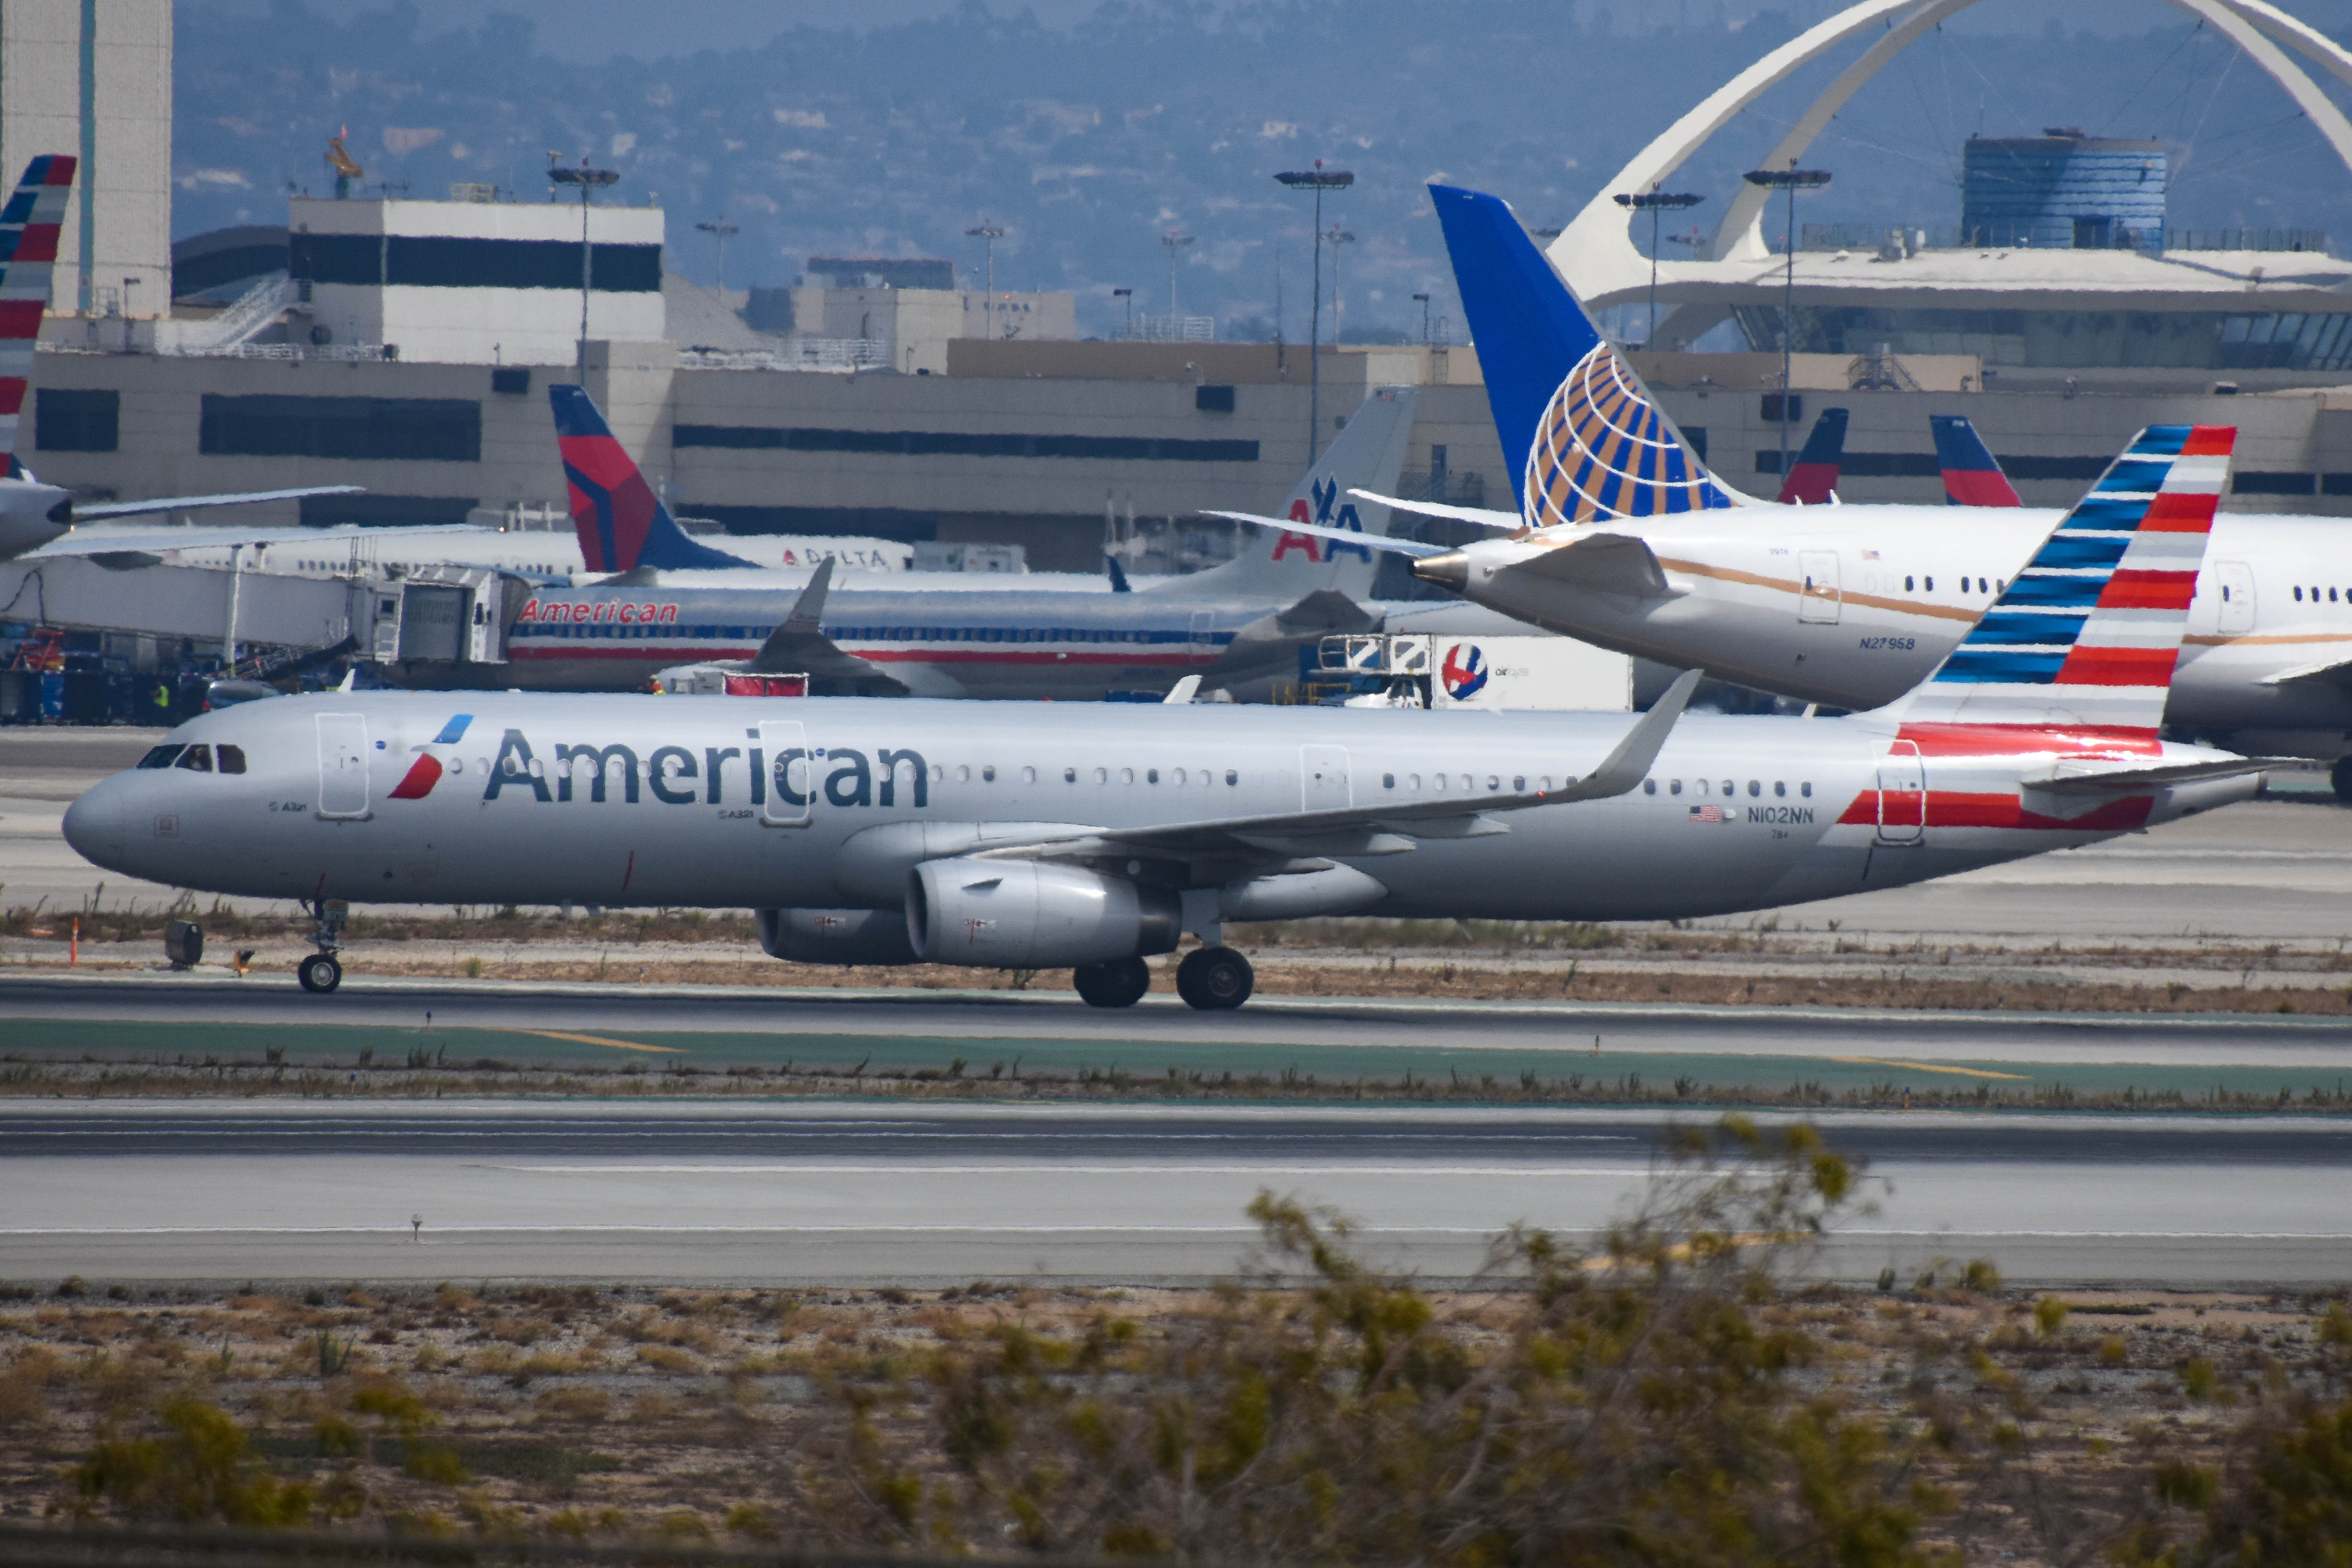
x: 342, y: 766
x: 790, y: 774
x: 1818, y: 601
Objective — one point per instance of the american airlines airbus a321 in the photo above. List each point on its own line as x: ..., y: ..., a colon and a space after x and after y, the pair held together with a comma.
x: 875, y: 831
x: 1625, y: 538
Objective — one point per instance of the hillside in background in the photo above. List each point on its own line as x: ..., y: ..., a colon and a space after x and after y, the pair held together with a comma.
x: 1087, y: 140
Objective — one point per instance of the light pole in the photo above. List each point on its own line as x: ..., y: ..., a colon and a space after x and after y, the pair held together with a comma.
x: 988, y: 234
x: 1422, y: 301
x: 1792, y: 180
x: 1175, y: 243
x: 1128, y: 295
x: 1318, y: 179
x: 588, y: 181
x: 1337, y: 237
x: 720, y: 230
x: 1655, y: 202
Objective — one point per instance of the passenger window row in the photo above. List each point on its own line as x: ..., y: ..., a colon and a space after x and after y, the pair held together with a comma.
x: 1730, y: 787
x: 196, y: 759
x: 2315, y: 595
x: 1203, y: 777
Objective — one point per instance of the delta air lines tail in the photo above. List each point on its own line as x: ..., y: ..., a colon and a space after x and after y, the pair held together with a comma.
x: 1971, y: 475
x: 28, y: 254
x: 622, y: 523
x: 1813, y: 477
x: 1583, y: 439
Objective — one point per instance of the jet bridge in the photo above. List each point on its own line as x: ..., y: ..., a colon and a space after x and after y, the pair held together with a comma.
x: 438, y: 617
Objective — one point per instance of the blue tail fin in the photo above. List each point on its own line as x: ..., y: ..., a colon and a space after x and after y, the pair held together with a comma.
x: 1582, y: 437
x: 1972, y: 475
x: 621, y: 522
x: 1812, y: 477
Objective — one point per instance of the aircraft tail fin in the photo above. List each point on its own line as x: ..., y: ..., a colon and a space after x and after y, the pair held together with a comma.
x: 1582, y: 437
x: 1278, y: 566
x: 1813, y: 477
x: 1972, y: 475
x: 2087, y: 635
x: 622, y: 523
x: 29, y: 225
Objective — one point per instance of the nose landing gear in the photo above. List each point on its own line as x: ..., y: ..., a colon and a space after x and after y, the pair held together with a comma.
x: 321, y: 971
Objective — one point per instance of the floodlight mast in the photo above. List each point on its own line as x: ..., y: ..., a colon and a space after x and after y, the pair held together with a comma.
x: 1656, y: 201
x: 1792, y: 180
x: 1318, y: 179
x: 721, y: 230
x: 587, y: 180
x: 988, y: 234
x: 1128, y: 295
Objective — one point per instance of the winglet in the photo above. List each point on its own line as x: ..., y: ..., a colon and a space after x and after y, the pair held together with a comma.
x: 1180, y: 694
x: 1118, y: 583
x: 1623, y: 770
x: 622, y: 524
x: 777, y: 654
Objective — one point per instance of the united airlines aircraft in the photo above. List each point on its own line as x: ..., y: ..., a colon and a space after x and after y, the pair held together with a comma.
x: 1088, y: 838
x: 1625, y: 538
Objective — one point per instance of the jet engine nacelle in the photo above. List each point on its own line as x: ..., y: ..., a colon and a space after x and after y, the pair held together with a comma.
x: 1020, y: 914
x: 835, y: 936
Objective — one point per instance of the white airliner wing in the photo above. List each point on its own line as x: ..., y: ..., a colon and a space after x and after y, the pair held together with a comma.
x: 1476, y: 516
x: 1385, y: 829
x: 101, y: 512
x: 1344, y: 535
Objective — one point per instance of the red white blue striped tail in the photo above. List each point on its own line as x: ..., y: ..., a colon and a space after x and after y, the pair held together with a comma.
x: 2087, y: 635
x: 29, y: 226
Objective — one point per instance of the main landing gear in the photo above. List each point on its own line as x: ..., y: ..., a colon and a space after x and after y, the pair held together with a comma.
x: 321, y: 971
x: 1212, y: 979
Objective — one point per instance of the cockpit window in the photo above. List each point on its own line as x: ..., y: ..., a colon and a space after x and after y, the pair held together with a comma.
x: 198, y: 758
x: 232, y: 758
x: 162, y: 757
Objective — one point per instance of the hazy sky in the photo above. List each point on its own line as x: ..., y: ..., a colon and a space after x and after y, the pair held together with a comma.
x: 597, y: 29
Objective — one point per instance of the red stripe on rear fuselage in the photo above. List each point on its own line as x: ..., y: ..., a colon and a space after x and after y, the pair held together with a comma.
x: 1956, y: 809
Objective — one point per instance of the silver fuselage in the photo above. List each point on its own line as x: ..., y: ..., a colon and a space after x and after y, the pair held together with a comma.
x: 1740, y: 813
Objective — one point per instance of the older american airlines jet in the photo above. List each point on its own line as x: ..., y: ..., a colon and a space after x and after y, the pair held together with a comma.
x: 1625, y: 538
x: 1054, y: 836
x: 1233, y: 624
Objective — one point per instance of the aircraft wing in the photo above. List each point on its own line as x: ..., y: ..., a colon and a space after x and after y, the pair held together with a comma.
x: 1344, y: 535
x: 799, y: 647
x: 1600, y: 564
x: 2089, y: 775
x: 1476, y: 516
x: 105, y: 510
x: 1385, y: 829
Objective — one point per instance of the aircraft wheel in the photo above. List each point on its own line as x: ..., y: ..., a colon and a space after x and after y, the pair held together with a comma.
x: 1121, y: 982
x: 320, y: 973
x: 2340, y: 777
x: 1215, y: 978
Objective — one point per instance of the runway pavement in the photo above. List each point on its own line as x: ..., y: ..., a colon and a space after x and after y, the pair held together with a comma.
x: 994, y: 1032
x: 924, y: 1195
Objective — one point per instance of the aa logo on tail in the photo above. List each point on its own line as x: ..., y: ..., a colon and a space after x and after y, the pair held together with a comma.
x: 1326, y: 493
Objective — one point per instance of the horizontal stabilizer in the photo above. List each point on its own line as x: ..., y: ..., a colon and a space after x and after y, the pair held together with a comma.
x: 1602, y: 564
x: 2090, y: 775
x: 1476, y: 516
x: 2338, y: 668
